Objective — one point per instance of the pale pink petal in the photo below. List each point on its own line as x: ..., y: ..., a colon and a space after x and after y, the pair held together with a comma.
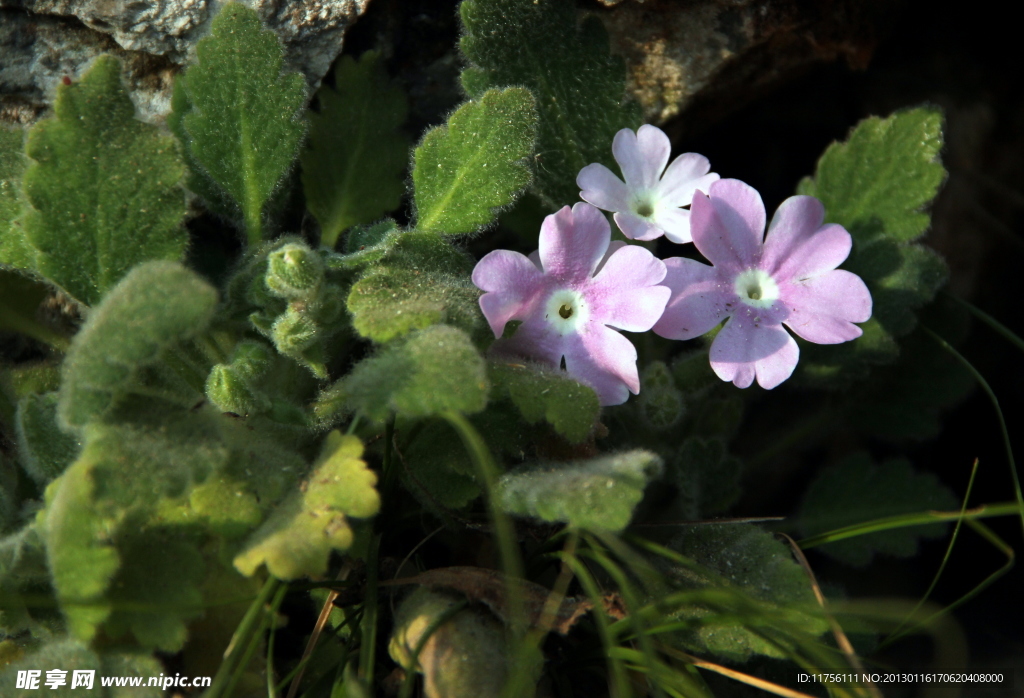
x: 573, y: 242
x: 602, y: 188
x: 793, y: 224
x: 625, y: 293
x: 728, y: 224
x: 698, y: 302
x: 536, y: 340
x: 820, y: 253
x: 676, y: 224
x: 824, y: 308
x: 606, y: 361
x: 688, y: 173
x: 636, y: 228
x: 535, y: 258
x: 512, y: 283
x: 642, y: 156
x: 743, y: 351
x: 613, y: 247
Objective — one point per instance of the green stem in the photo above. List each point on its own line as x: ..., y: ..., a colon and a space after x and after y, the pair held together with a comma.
x: 999, y: 413
x: 239, y: 644
x: 989, y: 320
x: 35, y: 330
x: 368, y: 627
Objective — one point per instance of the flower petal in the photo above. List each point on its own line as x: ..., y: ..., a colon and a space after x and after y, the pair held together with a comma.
x: 613, y: 247
x: 625, y: 293
x: 602, y: 188
x: 743, y: 351
x: 688, y: 173
x: 824, y: 308
x: 606, y: 361
x: 698, y: 300
x: 637, y: 228
x: 642, y: 155
x: 823, y: 251
x: 535, y: 339
x: 573, y: 242
x: 676, y: 224
x: 512, y: 283
x: 728, y: 224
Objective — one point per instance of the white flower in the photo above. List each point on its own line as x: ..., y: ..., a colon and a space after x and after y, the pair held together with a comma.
x: 649, y: 204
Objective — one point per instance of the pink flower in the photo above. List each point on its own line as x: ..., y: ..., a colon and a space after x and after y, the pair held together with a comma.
x: 649, y: 203
x: 570, y: 294
x: 791, y: 279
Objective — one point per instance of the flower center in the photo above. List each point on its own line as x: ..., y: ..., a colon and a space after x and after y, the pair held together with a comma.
x: 643, y: 205
x: 566, y: 311
x: 756, y: 288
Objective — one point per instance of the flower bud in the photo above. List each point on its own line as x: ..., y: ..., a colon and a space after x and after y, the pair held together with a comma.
x: 294, y: 271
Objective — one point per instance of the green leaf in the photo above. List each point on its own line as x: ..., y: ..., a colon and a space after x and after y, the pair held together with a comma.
x: 877, y: 185
x: 45, y: 450
x: 434, y: 370
x: 597, y: 494
x: 352, y: 172
x: 156, y: 591
x: 756, y: 565
x: 857, y: 490
x: 476, y: 163
x: 14, y: 249
x: 298, y: 537
x: 104, y: 188
x: 438, y: 470
x: 541, y: 393
x: 156, y: 306
x: 421, y: 281
x: 707, y: 477
x: 70, y: 656
x: 20, y: 297
x: 238, y: 118
x: 579, y: 87
x: 28, y: 604
x: 660, y: 403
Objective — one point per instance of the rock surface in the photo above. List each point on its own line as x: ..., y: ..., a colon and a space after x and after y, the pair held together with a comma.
x: 713, y: 54
x: 43, y: 41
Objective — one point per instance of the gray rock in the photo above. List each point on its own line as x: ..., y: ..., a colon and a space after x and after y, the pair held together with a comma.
x: 44, y: 41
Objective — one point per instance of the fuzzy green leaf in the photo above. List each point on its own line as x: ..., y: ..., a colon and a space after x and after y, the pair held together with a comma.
x: 45, y: 450
x: 238, y: 118
x: 104, y: 188
x: 14, y: 249
x: 540, y: 393
x: 597, y: 494
x: 298, y: 537
x: 352, y: 172
x: 857, y: 490
x: 755, y: 564
x: 707, y: 477
x: 20, y: 297
x: 877, y: 184
x: 434, y: 370
x: 26, y: 605
x: 156, y: 306
x: 70, y: 656
x: 421, y: 281
x: 579, y: 87
x: 476, y: 163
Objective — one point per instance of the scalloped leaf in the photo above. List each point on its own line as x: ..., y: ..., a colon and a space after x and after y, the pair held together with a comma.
x: 579, y: 86
x: 14, y: 249
x: 708, y: 478
x: 352, y: 172
x: 857, y: 490
x: 70, y: 656
x: 476, y: 163
x: 598, y: 494
x: 104, y: 188
x: 420, y: 281
x: 877, y: 184
x: 44, y: 449
x: 541, y: 393
x: 156, y: 306
x: 239, y: 119
x: 434, y: 370
x: 757, y: 565
x: 298, y: 537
